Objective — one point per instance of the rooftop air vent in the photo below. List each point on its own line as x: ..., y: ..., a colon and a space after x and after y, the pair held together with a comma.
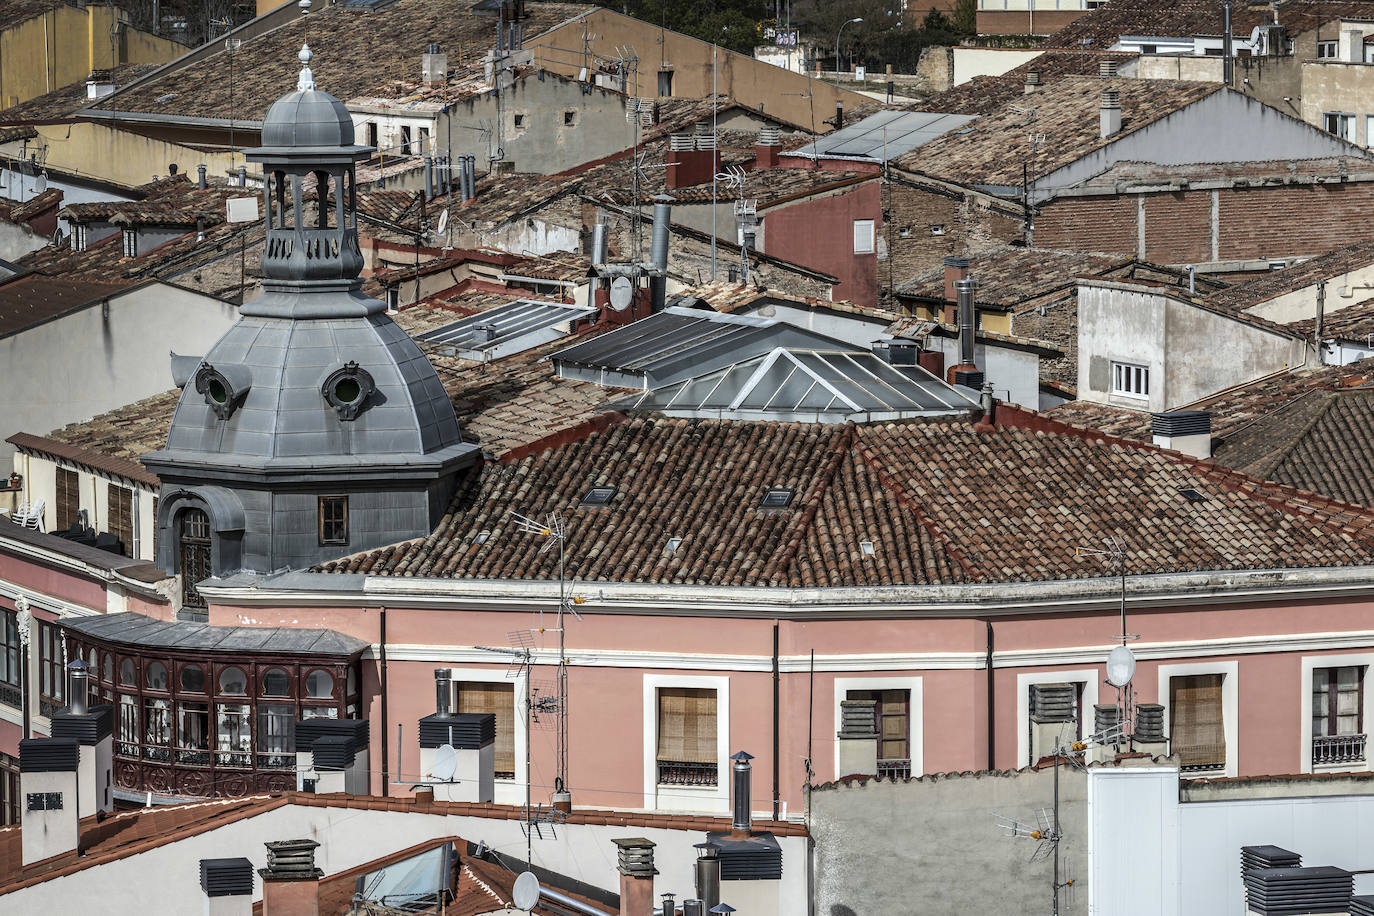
x: 777, y: 498
x: 596, y: 497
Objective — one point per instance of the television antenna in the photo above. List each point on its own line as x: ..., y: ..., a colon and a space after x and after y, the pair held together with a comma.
x: 1121, y: 660
x: 1048, y: 834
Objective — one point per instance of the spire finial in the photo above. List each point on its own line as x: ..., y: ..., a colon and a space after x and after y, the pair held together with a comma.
x: 307, y: 80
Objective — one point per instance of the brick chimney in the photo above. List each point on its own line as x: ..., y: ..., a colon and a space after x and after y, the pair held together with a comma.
x: 291, y: 882
x: 766, y: 151
x: 228, y: 886
x: 956, y: 269
x: 635, y: 861
x: 691, y: 160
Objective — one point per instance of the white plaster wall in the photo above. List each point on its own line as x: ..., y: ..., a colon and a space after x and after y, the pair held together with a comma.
x: 70, y: 369
x: 1125, y: 326
x: 40, y: 480
x: 533, y: 236
x: 1206, y: 352
x: 1341, y: 290
x: 971, y: 62
x: 350, y: 838
x: 18, y: 239
x: 1133, y: 841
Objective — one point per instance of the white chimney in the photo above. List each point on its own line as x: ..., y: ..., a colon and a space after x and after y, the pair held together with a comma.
x: 1111, y: 112
x: 228, y: 886
x: 1032, y: 81
x: 99, y: 85
x: 332, y: 756
x: 434, y: 65
x: 1186, y: 431
x: 93, y: 731
x: 48, y: 798
x: 1350, y: 46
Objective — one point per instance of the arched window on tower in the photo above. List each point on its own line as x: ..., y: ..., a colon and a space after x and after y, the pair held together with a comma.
x: 194, y: 543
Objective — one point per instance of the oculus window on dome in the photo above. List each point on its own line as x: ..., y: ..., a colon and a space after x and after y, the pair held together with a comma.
x: 224, y: 387
x: 347, y: 390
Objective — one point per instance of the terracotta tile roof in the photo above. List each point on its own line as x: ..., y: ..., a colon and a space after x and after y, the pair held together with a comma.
x: 1010, y: 275
x: 1103, y: 27
x: 1276, y: 283
x: 939, y: 502
x: 1232, y: 410
x: 1354, y: 322
x: 982, y: 94
x: 91, y: 458
x: 17, y: 212
x: 22, y: 132
x: 1321, y: 441
x: 13, y: 12
x: 1131, y: 176
x: 993, y: 149
x: 67, y: 101
x: 499, y: 198
x: 566, y: 266
x: 359, y: 50
x: 127, y: 833
x: 30, y: 299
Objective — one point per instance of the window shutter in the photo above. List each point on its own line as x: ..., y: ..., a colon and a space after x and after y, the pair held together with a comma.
x: 121, y: 521
x: 499, y: 700
x: 1054, y: 702
x: 1197, y: 733
x: 68, y: 497
x: 687, y: 725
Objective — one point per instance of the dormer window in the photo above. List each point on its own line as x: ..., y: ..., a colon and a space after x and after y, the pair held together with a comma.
x: 78, y: 237
x: 130, y: 243
x: 347, y: 390
x: 224, y: 388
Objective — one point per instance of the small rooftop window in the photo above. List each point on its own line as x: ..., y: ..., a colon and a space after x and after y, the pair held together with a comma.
x: 1193, y: 494
x: 596, y: 496
x: 777, y: 498
x: 866, y: 548
x: 673, y: 544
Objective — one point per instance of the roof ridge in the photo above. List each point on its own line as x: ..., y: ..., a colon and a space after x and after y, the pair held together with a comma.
x: 780, y: 567
x: 936, y: 533
x: 1272, y: 465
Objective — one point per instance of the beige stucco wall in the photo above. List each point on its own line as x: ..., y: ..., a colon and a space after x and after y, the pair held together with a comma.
x: 1335, y: 86
x: 102, y: 151
x: 1179, y: 67
x: 971, y: 62
x: 40, y: 482
x: 1341, y: 290
x: 751, y: 82
x: 64, y: 45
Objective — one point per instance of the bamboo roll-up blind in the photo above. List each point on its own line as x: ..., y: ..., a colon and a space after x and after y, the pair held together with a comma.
x: 499, y: 699
x: 687, y: 725
x: 1197, y: 733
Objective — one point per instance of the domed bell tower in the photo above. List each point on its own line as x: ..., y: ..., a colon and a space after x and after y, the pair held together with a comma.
x: 315, y: 427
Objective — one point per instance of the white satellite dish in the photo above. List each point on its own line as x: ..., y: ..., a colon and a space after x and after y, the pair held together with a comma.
x: 622, y: 291
x: 445, y: 763
x: 42, y: 184
x: 1120, y: 666
x: 525, y: 894
x: 443, y: 222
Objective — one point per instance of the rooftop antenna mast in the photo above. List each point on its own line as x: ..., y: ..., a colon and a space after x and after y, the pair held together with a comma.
x: 1047, y: 833
x: 1121, y: 661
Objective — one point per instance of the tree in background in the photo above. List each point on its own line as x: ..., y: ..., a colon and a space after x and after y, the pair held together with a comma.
x: 733, y: 24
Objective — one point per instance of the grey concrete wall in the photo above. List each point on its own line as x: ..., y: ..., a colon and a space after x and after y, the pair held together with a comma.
x: 1125, y: 326
x: 1223, y: 127
x: 72, y: 368
x: 17, y: 240
x: 932, y: 845
x: 1207, y: 352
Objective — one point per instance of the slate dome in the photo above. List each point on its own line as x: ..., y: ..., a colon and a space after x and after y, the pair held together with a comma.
x: 307, y: 119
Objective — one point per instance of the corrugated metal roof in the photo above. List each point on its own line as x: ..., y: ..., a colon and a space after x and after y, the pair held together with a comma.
x: 885, y: 135
x: 508, y: 329
x: 808, y: 385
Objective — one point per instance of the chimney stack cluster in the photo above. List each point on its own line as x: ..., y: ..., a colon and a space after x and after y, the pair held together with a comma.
x: 692, y: 160
x: 768, y: 147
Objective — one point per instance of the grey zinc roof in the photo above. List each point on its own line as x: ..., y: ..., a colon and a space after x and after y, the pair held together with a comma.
x: 307, y: 119
x: 885, y: 135
x: 827, y: 386
x: 149, y: 632
x: 285, y: 414
x: 508, y: 329
x: 679, y: 343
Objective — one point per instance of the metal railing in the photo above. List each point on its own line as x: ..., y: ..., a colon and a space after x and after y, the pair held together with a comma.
x: 1327, y: 749
x: 894, y: 769
x: 684, y: 773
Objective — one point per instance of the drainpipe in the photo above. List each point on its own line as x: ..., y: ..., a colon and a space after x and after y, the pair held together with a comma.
x: 381, y: 657
x: 1321, y: 317
x: 777, y: 803
x: 992, y: 705
x: 1228, y: 62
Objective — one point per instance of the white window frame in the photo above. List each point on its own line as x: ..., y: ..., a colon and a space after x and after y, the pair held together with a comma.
x: 1369, y: 121
x: 1126, y: 370
x: 1327, y: 49
x: 507, y: 791
x: 1088, y: 677
x: 1310, y: 663
x: 915, y: 717
x: 1345, y: 124
x: 870, y: 227
x: 714, y: 800
x: 1230, y: 704
x: 130, y: 242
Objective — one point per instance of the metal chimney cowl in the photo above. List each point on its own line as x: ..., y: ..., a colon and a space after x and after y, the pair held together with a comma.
x: 291, y: 860
x: 742, y: 773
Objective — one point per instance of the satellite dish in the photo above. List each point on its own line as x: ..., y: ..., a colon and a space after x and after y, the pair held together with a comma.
x: 525, y: 894
x: 621, y: 293
x: 445, y: 763
x: 443, y: 222
x: 1120, y: 666
x: 42, y: 184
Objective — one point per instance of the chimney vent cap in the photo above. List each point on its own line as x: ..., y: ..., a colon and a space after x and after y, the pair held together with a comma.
x: 1181, y: 423
x: 956, y: 261
x: 635, y: 856
x: 226, y: 877
x: 291, y: 860
x: 48, y: 755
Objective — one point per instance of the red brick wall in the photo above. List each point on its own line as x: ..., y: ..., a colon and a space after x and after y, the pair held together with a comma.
x: 1018, y: 22
x: 1106, y: 224
x: 1178, y: 227
x: 968, y: 227
x: 1262, y: 222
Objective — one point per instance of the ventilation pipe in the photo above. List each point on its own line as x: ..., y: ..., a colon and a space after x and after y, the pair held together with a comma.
x: 966, y: 372
x: 78, y: 676
x: 1318, y: 326
x: 742, y: 774
x: 1111, y: 112
x: 708, y: 875
x: 243, y: 176
x: 92, y: 730
x: 599, y: 244
x: 443, y: 690
x: 658, y: 284
x: 200, y: 177
x: 1228, y: 63
x: 1032, y: 81
x: 839, y: 115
